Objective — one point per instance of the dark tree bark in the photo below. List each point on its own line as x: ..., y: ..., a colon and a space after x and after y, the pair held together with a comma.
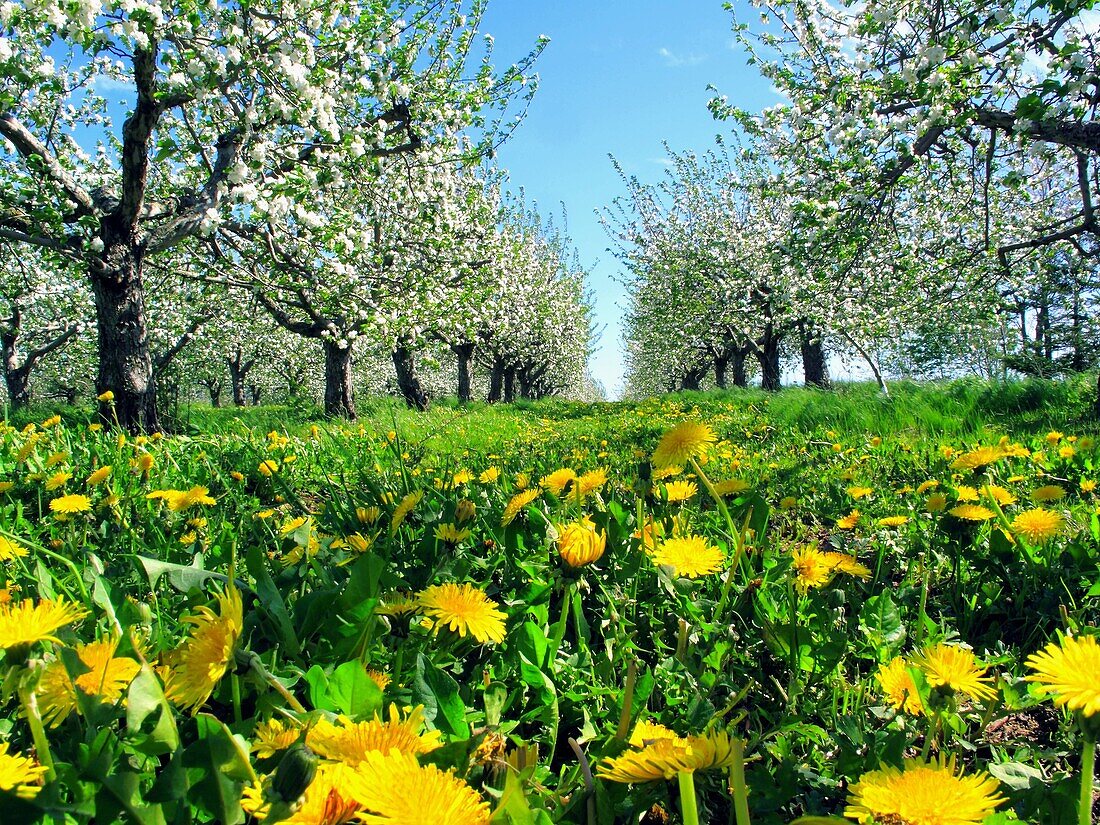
x: 255, y: 390
x: 768, y: 356
x: 339, y: 397
x: 509, y: 385
x: 239, y: 368
x: 465, y: 355
x: 692, y: 377
x: 814, y: 364
x: 496, y: 381
x: 407, y: 380
x: 17, y: 373
x: 125, y: 362
x: 737, y: 367
x: 214, y: 390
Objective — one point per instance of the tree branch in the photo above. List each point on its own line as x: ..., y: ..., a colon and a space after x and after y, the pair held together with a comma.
x: 31, y: 147
x: 1083, y: 135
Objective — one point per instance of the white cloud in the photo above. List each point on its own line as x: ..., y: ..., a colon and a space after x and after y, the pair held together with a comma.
x: 676, y: 61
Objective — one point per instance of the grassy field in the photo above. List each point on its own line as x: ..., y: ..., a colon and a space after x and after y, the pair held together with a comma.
x: 699, y: 608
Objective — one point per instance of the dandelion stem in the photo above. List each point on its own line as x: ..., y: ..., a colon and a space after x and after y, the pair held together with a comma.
x: 738, y: 787
x: 1088, y: 770
x: 38, y: 732
x: 623, y: 730
x: 689, y: 808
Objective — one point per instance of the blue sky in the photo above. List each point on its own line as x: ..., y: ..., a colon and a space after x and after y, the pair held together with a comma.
x: 619, y: 77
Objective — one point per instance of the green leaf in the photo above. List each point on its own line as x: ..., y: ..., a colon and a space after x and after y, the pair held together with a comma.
x: 183, y: 577
x: 438, y: 693
x: 271, y: 598
x: 150, y: 723
x: 222, y: 760
x: 1017, y: 775
x: 881, y: 621
x: 353, y: 691
x: 318, y: 689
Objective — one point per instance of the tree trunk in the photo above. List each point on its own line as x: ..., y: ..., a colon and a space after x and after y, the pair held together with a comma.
x: 255, y: 390
x: 215, y: 391
x: 768, y: 356
x: 496, y: 381
x: 465, y: 355
x: 692, y: 377
x: 339, y: 397
x: 509, y: 385
x: 407, y: 380
x: 720, y: 363
x: 737, y: 364
x: 125, y: 363
x: 16, y: 376
x: 814, y: 365
x: 236, y: 376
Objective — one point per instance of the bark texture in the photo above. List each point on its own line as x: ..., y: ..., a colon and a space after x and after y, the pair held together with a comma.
x: 339, y: 396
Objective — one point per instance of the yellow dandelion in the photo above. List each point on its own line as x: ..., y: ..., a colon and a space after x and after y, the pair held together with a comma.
x: 368, y: 515
x: 518, y: 502
x: 1053, y: 437
x: 398, y: 604
x: 898, y: 685
x: 406, y: 506
x: 451, y: 533
x: 557, y: 481
x: 682, y: 490
x: 57, y: 480
x: 28, y: 447
x: 350, y: 742
x: 689, y: 556
x: 1069, y: 671
x: 268, y: 467
x: 999, y: 494
x: 179, y: 500
x: 57, y: 458
x: 1038, y: 525
x: 843, y: 563
x: 810, y: 567
x: 325, y: 801
x: 731, y: 486
x: 975, y: 459
x: 1088, y: 485
x: 923, y: 793
x: 971, y: 512
x: 788, y: 503
x: 489, y: 476
x: 955, y: 669
x: 935, y: 503
x: 1049, y: 492
x: 580, y: 543
x: 19, y: 775
x: 685, y: 441
x: 273, y: 736
x: 664, y: 758
x: 966, y: 493
x: 105, y: 397
x: 143, y: 463
x: 394, y: 787
x: 379, y: 678
x: 590, y: 482
x: 106, y: 678
x: 6, y: 485
x: 461, y: 477
x: 462, y: 608
x: 849, y: 521
x: 860, y: 492
x: 925, y: 486
x: 893, y: 521
x: 52, y: 421
x: 10, y: 550
x: 99, y: 476
x: 193, y: 670
x: 29, y: 622
x: 465, y: 510
x: 646, y: 732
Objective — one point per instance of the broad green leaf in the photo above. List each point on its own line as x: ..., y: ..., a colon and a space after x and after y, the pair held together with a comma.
x: 438, y: 693
x: 353, y: 691
x: 150, y: 723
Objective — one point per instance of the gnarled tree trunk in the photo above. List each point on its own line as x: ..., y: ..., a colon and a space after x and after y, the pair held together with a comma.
x: 465, y: 355
x: 509, y: 385
x: 339, y: 396
x: 407, y: 380
x: 125, y: 362
x: 814, y: 365
x: 768, y: 356
x: 496, y: 381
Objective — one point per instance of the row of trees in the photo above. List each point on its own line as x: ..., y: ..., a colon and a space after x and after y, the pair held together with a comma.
x: 322, y: 169
x: 923, y: 199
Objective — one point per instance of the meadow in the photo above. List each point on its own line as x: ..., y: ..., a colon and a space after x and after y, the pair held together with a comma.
x: 736, y: 607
